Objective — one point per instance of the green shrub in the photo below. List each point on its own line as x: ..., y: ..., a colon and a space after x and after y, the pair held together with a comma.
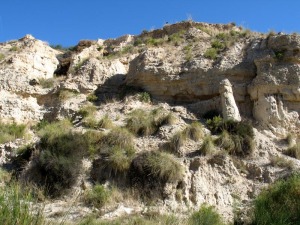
x: 215, y: 124
x: 177, y: 38
x: 207, y: 146
x: 211, y: 53
x: 92, y: 97
x: 10, y: 132
x: 236, y: 137
x: 46, y: 83
x: 157, y: 165
x: 206, y: 215
x: 279, y: 55
x: 217, y: 45
x: 15, y: 206
x: 98, y: 196
x: 145, y: 97
x: 293, y: 151
x: 279, y: 203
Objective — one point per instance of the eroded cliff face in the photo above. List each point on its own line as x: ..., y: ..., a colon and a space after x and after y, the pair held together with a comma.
x: 251, y: 76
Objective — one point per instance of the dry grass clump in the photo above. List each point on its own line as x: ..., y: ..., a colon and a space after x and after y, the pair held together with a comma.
x: 207, y: 146
x: 58, y: 162
x: 144, y: 123
x: 193, y: 131
x: 89, y: 120
x: 115, y: 151
x: 156, y: 166
x: 294, y: 151
x: 279, y: 161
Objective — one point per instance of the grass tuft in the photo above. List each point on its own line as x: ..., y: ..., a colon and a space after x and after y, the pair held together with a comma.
x: 160, y: 166
x: 293, y: 151
x: 10, y: 132
x: 207, y: 146
x: 144, y: 123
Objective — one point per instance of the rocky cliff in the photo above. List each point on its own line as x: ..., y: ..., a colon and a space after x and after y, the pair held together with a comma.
x: 188, y: 69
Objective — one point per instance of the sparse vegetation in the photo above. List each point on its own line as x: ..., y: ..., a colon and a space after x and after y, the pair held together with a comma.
x: 116, y: 152
x: 147, y: 123
x: 177, y: 38
x: 222, y: 42
x: 294, y: 151
x: 207, y: 146
x: 206, y: 215
x: 150, y: 218
x: 92, y: 97
x: 211, y: 53
x: 157, y: 166
x: 80, y: 64
x: 279, y: 161
x: 145, y: 97
x: 10, y: 132
x: 14, y: 49
x: 188, y: 52
x: 58, y: 163
x: 15, y: 206
x: 105, y: 122
x: 66, y: 94
x: 88, y: 110
x: 279, y: 55
x: 2, y: 56
x: 175, y: 144
x: 236, y: 137
x: 192, y: 131
x: 46, y: 83
x: 279, y: 203
x: 98, y: 196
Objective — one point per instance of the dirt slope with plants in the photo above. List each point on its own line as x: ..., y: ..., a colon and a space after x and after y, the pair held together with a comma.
x: 187, y: 124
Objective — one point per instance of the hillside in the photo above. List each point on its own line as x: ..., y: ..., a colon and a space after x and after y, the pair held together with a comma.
x: 164, y: 121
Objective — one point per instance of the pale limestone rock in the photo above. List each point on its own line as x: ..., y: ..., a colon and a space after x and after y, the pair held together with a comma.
x: 230, y: 110
x: 19, y: 109
x: 94, y: 72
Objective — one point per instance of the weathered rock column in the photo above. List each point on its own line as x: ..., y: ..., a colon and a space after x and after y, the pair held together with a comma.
x: 229, y: 107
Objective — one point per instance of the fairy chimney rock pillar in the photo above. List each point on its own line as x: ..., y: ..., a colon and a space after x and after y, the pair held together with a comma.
x: 229, y: 107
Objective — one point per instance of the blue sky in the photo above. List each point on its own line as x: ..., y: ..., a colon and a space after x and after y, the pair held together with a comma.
x: 66, y: 22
